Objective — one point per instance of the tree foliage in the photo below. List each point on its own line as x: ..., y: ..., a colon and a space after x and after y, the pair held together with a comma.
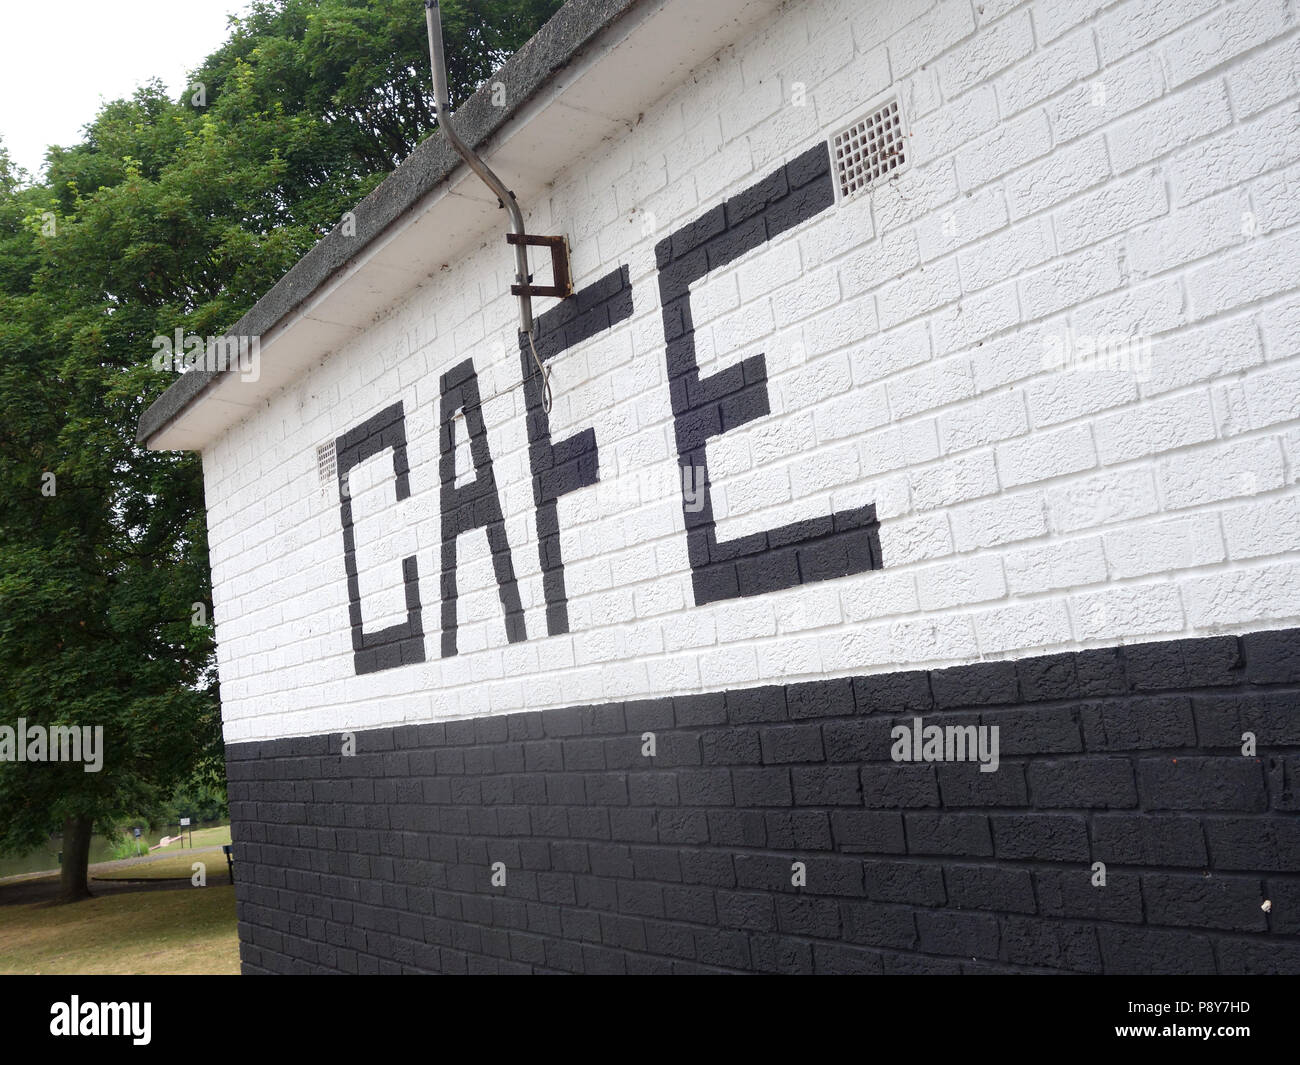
x: 170, y: 213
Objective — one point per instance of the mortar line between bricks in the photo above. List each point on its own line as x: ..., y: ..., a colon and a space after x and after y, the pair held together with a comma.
x: 1286, y: 688
x: 931, y: 666
x: 1071, y: 647
x: 822, y: 896
x: 1092, y: 923
x: 920, y: 860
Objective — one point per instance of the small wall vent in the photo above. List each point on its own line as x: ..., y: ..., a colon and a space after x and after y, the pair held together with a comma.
x: 326, y: 468
x: 870, y: 149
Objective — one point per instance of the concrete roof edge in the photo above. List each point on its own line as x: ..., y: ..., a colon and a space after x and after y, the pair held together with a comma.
x: 566, y: 34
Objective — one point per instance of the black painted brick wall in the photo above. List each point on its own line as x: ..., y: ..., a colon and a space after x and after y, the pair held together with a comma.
x: 618, y: 863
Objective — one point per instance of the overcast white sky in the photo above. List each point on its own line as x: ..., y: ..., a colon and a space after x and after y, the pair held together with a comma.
x: 60, y: 59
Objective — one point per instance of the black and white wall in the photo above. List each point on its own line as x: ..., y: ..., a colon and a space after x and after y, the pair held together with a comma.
x: 905, y: 578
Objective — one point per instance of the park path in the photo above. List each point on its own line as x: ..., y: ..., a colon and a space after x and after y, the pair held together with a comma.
x: 117, y: 863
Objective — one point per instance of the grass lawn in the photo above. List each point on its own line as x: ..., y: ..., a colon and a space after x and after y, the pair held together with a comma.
x: 46, y: 857
x: 174, y: 867
x: 205, y: 837
x: 171, y: 931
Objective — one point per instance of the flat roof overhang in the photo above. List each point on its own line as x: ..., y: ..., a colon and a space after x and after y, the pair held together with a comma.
x: 585, y: 78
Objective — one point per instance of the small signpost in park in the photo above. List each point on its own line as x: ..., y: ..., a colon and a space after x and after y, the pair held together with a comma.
x: 185, y: 823
x: 136, y: 831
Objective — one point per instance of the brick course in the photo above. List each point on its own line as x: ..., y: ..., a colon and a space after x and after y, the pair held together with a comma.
x: 619, y: 863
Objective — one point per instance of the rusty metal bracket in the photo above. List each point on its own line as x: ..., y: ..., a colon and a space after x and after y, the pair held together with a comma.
x: 559, y: 246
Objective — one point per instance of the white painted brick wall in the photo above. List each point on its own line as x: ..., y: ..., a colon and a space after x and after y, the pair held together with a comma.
x: 1077, y: 167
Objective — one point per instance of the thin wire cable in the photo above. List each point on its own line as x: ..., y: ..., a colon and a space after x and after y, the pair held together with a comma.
x: 547, y: 398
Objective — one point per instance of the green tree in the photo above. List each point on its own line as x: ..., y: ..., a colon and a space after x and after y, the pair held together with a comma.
x: 169, y: 213
x: 102, y: 548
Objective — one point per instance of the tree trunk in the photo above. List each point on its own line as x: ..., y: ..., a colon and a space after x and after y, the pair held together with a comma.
x: 76, y: 859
